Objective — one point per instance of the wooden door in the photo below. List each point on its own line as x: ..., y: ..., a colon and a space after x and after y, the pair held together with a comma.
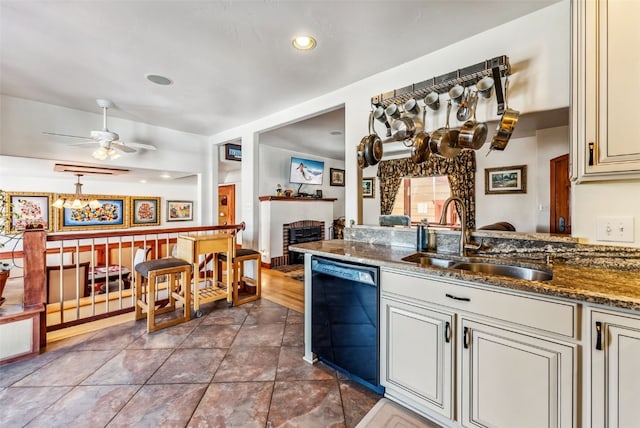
x: 512, y: 379
x: 227, y: 204
x: 559, y: 196
x: 417, y: 360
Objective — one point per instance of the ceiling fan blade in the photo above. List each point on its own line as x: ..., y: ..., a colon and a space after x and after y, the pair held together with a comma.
x: 142, y: 146
x: 119, y: 145
x: 67, y: 135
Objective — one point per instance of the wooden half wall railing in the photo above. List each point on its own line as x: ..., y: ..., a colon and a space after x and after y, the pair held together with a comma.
x: 35, y: 250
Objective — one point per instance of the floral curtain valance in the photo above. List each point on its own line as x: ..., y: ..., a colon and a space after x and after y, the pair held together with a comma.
x: 461, y: 171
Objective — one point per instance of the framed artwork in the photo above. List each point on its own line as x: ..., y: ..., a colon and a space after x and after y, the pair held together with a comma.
x: 111, y: 215
x: 179, y: 210
x: 336, y: 177
x: 504, y: 180
x: 368, y: 187
x: 29, y: 210
x: 145, y: 211
x: 233, y: 152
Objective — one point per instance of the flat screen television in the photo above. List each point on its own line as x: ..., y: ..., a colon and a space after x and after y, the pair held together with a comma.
x: 306, y: 171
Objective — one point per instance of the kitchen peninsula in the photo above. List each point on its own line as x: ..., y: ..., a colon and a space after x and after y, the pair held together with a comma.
x: 475, y: 349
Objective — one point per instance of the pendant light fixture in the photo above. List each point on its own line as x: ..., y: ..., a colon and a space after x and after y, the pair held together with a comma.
x: 78, y: 202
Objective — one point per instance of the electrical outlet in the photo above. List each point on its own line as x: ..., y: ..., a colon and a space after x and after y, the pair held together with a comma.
x: 615, y: 229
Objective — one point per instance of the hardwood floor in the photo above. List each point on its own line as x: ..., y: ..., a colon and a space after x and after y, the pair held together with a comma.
x: 279, y: 288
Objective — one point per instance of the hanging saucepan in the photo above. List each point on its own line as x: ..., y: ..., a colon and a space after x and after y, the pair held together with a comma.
x: 403, y: 128
x: 473, y: 134
x: 372, y: 145
x: 507, y: 123
x: 444, y: 141
x: 420, y: 149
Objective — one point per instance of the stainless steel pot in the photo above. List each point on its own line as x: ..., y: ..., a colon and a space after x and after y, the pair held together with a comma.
x: 372, y: 147
x: 444, y: 141
x: 403, y: 128
x: 473, y: 134
x: 420, y: 149
x: 507, y: 123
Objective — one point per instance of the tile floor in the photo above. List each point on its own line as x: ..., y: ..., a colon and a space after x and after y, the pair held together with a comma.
x: 238, y: 367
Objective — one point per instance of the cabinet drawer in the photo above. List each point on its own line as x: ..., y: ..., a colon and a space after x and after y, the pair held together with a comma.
x: 549, y: 316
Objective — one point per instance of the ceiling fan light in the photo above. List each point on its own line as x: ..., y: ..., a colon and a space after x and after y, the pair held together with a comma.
x: 100, y: 153
x: 113, y: 154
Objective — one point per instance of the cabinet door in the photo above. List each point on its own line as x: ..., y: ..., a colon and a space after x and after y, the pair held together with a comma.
x: 511, y: 379
x: 604, y: 95
x: 615, y: 383
x: 417, y: 354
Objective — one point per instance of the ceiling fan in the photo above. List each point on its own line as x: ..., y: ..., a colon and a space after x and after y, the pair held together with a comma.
x: 108, y: 141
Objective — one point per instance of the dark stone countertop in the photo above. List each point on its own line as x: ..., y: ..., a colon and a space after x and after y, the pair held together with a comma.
x: 615, y: 288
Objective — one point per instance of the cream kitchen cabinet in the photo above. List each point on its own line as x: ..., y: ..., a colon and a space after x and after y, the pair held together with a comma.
x: 475, y: 355
x: 605, y: 92
x: 513, y: 379
x: 615, y: 376
x: 417, y: 357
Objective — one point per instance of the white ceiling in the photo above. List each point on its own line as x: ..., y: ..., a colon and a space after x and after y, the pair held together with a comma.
x: 231, y: 61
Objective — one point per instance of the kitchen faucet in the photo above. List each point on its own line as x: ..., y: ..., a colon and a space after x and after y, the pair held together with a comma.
x: 462, y: 213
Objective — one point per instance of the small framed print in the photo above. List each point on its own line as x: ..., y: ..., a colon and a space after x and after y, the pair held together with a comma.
x: 368, y: 187
x: 29, y: 210
x: 505, y: 180
x: 179, y: 210
x: 145, y: 211
x: 233, y: 152
x: 336, y: 177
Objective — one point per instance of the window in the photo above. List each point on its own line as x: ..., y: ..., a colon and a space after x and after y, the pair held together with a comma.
x: 422, y: 198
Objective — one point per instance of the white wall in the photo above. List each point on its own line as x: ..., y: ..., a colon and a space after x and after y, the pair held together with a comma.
x: 538, y: 46
x: 274, y: 170
x: 183, y: 189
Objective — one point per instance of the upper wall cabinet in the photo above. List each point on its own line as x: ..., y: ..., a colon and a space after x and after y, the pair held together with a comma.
x: 605, y: 90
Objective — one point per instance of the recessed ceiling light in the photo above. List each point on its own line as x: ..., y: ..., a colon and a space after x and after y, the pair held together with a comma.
x: 335, y: 132
x: 303, y: 43
x: 158, y: 79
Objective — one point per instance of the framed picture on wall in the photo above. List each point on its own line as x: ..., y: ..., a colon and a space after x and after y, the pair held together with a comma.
x: 336, y: 177
x: 29, y: 210
x: 179, y: 210
x: 145, y: 211
x: 368, y: 187
x: 504, y: 180
x: 112, y: 214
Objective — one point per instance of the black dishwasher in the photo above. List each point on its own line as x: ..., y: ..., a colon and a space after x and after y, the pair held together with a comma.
x: 345, y: 317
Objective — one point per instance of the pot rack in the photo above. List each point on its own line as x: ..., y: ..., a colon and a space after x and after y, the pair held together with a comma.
x: 496, y: 67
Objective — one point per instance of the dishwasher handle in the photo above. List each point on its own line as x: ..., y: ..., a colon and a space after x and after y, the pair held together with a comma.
x: 353, y: 272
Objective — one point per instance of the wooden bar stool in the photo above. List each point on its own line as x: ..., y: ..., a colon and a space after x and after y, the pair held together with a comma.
x: 240, y: 282
x: 177, y: 274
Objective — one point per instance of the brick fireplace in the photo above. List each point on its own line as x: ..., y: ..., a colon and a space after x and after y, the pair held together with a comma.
x: 298, y: 232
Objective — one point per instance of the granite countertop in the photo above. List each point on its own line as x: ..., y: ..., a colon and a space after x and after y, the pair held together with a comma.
x: 619, y: 289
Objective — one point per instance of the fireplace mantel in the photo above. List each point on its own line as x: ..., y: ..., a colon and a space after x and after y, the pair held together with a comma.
x: 305, y: 199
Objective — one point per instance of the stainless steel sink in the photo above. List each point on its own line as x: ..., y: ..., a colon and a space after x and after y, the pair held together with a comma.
x: 511, y: 271
x: 426, y: 260
x: 481, y: 265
